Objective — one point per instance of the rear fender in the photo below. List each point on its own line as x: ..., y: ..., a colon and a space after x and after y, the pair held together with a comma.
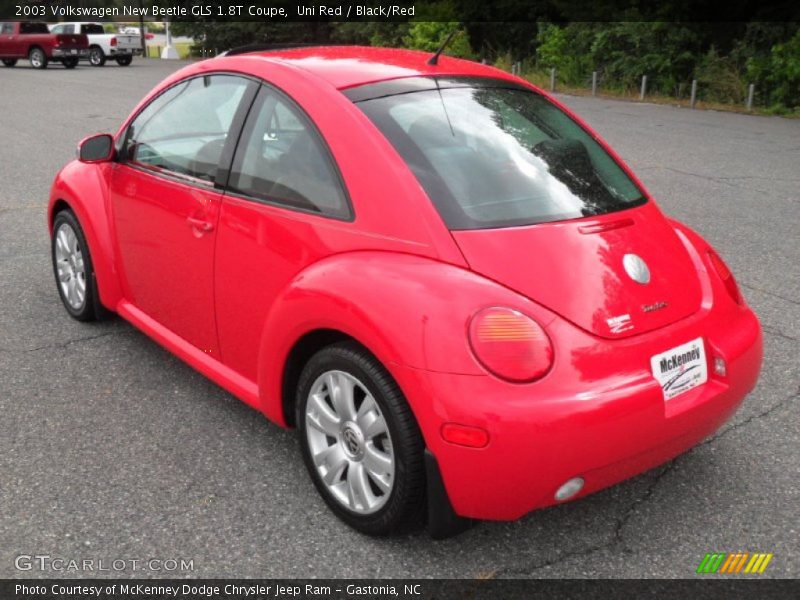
x: 407, y: 310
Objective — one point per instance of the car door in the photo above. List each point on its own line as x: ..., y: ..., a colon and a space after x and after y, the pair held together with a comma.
x: 165, y: 202
x: 284, y: 205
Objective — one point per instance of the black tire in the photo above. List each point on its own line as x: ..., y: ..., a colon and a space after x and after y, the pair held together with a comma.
x: 37, y: 58
x: 10, y: 62
x: 87, y: 311
x: 124, y: 60
x: 404, y: 508
x: 70, y: 63
x: 97, y: 57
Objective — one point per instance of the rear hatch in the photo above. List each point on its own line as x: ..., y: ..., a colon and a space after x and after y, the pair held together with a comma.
x: 576, y: 269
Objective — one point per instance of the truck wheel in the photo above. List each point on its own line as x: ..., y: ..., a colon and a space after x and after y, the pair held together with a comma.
x: 9, y: 62
x: 97, y: 57
x: 124, y: 60
x: 37, y: 58
x: 70, y: 63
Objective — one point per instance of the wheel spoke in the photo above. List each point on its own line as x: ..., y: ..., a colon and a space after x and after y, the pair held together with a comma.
x: 358, y: 490
x: 63, y: 271
x: 322, y: 417
x: 341, y: 390
x: 379, y: 466
x: 72, y: 241
x: 331, y: 463
x: 370, y: 419
x: 62, y: 245
x: 71, y: 291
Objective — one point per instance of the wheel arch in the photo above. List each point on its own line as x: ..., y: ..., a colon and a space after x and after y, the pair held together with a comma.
x: 82, y: 189
x: 301, y: 352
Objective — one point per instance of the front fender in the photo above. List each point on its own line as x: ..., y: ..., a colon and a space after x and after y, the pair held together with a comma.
x: 84, y: 188
x: 407, y: 310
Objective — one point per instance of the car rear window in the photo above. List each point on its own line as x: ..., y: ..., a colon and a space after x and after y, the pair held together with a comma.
x: 33, y: 28
x: 500, y: 156
x: 92, y: 29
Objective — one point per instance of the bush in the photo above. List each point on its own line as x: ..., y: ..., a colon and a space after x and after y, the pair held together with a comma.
x: 719, y: 79
x: 430, y: 35
x: 778, y: 74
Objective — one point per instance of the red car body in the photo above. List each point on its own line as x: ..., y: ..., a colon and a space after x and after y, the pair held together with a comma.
x: 248, y: 289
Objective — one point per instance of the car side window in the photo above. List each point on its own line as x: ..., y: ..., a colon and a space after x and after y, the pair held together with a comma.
x: 57, y: 29
x: 6, y: 28
x: 183, y: 131
x: 282, y: 159
x: 67, y: 29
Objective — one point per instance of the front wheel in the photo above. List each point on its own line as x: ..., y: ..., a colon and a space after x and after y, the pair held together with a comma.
x: 37, y: 58
x: 10, y: 62
x: 124, y: 60
x: 97, y: 57
x: 360, y: 441
x: 70, y: 63
x: 72, y: 266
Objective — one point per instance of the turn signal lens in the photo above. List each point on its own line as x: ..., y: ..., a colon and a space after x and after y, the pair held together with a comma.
x: 464, y: 435
x: 510, y: 344
x: 725, y: 275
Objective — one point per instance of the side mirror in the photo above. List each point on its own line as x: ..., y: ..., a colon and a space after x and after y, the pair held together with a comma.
x: 97, y: 148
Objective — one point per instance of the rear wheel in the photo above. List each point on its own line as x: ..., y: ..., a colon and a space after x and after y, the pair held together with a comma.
x: 9, y: 62
x: 97, y: 57
x: 70, y: 63
x: 360, y: 441
x: 37, y: 58
x: 124, y: 60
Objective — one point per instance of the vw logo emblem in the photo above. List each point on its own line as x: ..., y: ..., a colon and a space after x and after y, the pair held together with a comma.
x: 352, y: 440
x: 636, y: 268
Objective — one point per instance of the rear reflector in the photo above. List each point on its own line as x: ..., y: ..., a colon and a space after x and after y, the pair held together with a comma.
x: 464, y: 435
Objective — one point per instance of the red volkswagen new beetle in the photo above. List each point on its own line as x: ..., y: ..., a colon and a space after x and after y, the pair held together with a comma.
x: 463, y: 300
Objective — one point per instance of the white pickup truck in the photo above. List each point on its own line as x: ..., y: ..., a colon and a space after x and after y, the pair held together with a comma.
x: 102, y: 45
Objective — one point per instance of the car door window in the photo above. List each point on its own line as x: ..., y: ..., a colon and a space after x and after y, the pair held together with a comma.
x: 183, y: 131
x: 57, y: 29
x: 282, y: 159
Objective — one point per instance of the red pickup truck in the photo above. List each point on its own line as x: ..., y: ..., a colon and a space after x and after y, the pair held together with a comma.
x: 33, y: 40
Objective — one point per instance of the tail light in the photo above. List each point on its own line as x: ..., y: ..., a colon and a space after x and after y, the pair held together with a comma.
x: 113, y: 41
x: 726, y: 276
x: 510, y: 344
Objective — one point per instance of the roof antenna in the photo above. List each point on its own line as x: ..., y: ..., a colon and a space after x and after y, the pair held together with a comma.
x: 434, y: 60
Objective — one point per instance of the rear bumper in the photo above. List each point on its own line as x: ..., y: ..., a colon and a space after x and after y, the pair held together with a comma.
x: 125, y: 52
x: 70, y: 52
x: 575, y: 422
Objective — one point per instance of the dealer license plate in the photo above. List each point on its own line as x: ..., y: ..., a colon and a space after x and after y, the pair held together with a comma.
x: 680, y: 369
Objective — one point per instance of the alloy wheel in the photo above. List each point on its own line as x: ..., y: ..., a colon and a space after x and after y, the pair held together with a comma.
x: 349, y: 442
x: 70, y: 266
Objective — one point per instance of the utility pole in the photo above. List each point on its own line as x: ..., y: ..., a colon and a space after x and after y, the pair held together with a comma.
x: 141, y: 29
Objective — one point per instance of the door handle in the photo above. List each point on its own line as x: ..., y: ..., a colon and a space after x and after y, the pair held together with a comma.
x: 200, y: 224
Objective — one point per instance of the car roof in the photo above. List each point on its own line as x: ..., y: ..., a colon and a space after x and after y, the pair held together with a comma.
x: 350, y: 66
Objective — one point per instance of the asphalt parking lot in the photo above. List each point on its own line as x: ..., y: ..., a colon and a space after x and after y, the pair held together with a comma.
x: 110, y: 448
